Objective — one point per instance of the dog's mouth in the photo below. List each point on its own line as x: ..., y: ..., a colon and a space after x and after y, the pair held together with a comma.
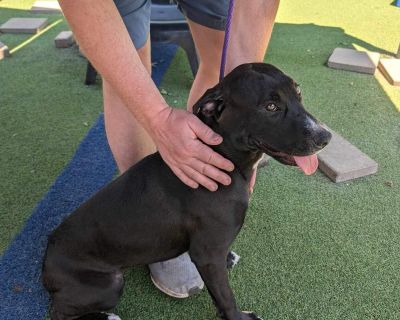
x: 308, y: 164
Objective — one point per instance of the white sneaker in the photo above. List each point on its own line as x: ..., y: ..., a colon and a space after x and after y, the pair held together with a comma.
x: 177, y: 277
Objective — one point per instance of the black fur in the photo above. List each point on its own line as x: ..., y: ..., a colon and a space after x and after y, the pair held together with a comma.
x: 148, y: 215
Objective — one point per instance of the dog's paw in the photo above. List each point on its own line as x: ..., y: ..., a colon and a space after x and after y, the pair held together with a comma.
x: 232, y: 259
x: 248, y: 315
x: 112, y: 316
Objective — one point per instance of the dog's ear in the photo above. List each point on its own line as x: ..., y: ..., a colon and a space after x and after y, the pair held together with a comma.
x: 210, y: 106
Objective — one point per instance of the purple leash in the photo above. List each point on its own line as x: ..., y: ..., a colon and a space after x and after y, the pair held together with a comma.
x: 226, y: 39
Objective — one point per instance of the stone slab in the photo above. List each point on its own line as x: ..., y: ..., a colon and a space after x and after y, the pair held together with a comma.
x: 64, y: 39
x: 46, y: 7
x: 23, y: 25
x: 4, y: 52
x: 341, y: 161
x: 390, y: 68
x: 353, y: 60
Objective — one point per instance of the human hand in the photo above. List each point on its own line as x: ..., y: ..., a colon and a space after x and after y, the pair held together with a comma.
x: 181, y: 139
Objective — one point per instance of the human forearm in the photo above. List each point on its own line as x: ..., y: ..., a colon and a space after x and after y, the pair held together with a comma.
x: 101, y: 33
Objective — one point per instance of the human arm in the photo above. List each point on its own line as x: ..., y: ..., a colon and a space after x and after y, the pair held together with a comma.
x: 100, y: 31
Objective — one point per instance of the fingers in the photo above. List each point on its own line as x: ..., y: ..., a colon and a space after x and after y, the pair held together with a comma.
x: 184, y: 178
x: 206, y: 154
x: 204, y: 133
x: 209, y: 156
x: 199, y: 176
x: 201, y: 179
x: 211, y: 172
x: 182, y: 142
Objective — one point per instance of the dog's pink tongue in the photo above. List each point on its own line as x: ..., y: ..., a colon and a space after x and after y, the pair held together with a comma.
x: 308, y: 164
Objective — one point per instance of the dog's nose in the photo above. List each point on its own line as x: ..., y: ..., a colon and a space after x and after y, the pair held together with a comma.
x: 322, y: 137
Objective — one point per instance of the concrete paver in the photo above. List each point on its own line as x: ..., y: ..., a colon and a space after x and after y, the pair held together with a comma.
x: 341, y: 161
x: 23, y: 25
x: 353, y: 60
x: 390, y: 68
x: 4, y: 52
x: 46, y: 7
x: 64, y: 39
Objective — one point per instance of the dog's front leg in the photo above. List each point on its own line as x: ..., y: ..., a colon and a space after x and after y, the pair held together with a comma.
x: 211, y: 265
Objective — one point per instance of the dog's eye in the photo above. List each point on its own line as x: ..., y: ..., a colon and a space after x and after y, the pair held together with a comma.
x: 272, y: 107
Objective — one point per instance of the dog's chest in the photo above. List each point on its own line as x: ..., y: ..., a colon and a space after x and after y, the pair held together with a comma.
x: 232, y: 202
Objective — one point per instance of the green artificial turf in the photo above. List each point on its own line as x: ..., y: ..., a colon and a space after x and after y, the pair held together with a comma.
x: 45, y: 110
x: 311, y: 249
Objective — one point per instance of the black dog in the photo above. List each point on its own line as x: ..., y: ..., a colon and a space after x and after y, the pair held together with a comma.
x: 148, y: 215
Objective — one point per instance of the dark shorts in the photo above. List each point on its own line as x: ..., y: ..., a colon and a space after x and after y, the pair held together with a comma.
x: 136, y: 15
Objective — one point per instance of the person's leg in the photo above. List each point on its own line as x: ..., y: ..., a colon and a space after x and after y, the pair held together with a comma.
x: 128, y: 141
x: 248, y: 42
x: 250, y: 36
x: 209, y: 46
x: 169, y: 274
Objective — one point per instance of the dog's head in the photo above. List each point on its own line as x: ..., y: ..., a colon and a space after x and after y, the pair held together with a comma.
x: 261, y: 109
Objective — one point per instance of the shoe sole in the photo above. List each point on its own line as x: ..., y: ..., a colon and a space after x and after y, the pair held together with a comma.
x: 173, y: 294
